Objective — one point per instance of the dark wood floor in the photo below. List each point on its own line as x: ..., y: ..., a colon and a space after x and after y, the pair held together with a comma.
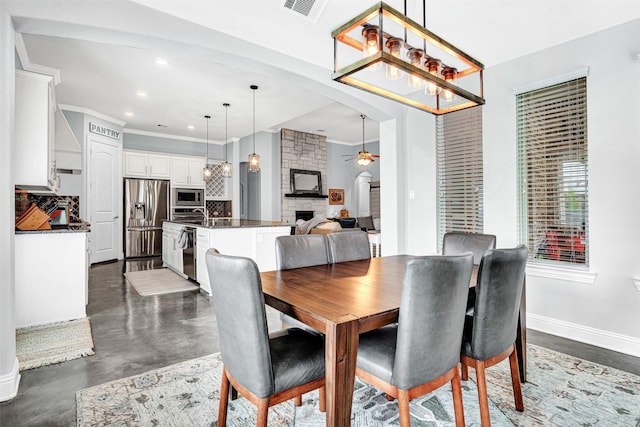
x: 134, y: 334
x: 592, y: 353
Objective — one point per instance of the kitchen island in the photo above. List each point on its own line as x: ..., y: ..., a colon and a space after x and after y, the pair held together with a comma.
x: 240, y: 237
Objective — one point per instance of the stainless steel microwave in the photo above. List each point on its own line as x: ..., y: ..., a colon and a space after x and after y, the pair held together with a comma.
x: 188, y: 197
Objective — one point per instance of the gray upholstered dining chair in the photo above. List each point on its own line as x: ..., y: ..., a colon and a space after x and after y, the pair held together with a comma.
x: 456, y: 242
x: 348, y: 246
x: 265, y: 369
x: 297, y: 251
x: 490, y: 333
x: 421, y: 352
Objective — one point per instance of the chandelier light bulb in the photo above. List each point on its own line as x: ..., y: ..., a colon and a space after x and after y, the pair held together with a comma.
x: 415, y: 58
x: 370, y: 36
x: 449, y: 74
x: 394, y: 48
x: 433, y: 67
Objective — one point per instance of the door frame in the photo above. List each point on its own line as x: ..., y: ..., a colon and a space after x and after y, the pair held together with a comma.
x: 117, y: 144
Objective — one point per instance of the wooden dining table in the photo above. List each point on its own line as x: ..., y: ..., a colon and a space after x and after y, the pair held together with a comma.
x: 344, y: 300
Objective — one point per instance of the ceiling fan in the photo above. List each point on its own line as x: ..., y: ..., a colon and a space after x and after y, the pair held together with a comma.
x: 363, y: 158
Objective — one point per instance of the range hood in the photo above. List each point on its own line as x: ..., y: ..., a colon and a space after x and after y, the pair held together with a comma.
x: 67, y: 150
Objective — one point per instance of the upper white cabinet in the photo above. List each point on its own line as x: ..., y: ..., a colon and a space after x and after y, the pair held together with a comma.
x: 140, y: 164
x: 187, y: 172
x: 35, y: 166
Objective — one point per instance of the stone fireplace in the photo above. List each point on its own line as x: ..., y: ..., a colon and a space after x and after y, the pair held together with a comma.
x: 301, y: 150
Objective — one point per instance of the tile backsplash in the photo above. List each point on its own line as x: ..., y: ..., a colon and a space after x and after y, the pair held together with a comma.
x: 24, y: 200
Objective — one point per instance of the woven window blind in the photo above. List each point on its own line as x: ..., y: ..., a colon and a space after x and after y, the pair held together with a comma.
x: 459, y: 172
x: 552, y: 168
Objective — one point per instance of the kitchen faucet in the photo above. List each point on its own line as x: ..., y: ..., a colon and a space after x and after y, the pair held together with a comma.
x: 205, y: 215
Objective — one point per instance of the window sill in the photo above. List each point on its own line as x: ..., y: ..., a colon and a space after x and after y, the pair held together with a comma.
x: 568, y: 274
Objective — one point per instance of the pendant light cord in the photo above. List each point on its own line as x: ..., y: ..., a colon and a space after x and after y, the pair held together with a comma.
x: 363, y: 116
x: 254, y: 117
x: 207, y: 159
x: 226, y: 130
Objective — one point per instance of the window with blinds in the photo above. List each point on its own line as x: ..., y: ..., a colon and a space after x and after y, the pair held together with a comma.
x: 459, y: 172
x: 552, y: 169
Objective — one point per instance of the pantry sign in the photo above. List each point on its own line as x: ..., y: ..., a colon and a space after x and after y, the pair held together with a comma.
x: 104, y: 131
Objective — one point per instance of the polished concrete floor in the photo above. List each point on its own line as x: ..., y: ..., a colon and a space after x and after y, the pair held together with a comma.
x: 134, y: 334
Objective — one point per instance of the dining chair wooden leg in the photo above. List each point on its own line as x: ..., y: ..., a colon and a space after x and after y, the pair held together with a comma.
x: 389, y: 397
x: 483, y: 399
x: 263, y: 412
x: 403, y: 408
x: 297, y: 400
x: 515, y: 381
x: 465, y: 371
x: 224, y: 399
x: 322, y: 399
x: 456, y: 390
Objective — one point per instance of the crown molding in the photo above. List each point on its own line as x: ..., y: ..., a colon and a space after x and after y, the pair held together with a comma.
x: 91, y: 112
x: 170, y: 136
x: 351, y: 144
x: 27, y: 65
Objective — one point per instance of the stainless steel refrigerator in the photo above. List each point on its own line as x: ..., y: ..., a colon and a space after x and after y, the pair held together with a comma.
x: 146, y: 206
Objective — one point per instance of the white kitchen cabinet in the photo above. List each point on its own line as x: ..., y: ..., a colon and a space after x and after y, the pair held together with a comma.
x: 140, y: 164
x: 51, y: 277
x: 35, y: 107
x: 171, y: 253
x: 187, y: 172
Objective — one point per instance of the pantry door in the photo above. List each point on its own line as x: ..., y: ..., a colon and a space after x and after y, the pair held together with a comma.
x: 105, y: 194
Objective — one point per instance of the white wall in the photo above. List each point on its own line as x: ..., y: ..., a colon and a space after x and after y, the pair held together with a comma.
x: 606, y: 313
x: 9, y: 376
x: 421, y: 182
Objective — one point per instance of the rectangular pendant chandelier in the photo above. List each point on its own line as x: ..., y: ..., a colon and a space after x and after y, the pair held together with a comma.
x: 386, y: 53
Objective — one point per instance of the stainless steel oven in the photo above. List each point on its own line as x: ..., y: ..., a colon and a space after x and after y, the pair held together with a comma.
x: 188, y: 197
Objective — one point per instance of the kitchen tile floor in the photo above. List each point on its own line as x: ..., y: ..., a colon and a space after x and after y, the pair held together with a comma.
x: 133, y: 334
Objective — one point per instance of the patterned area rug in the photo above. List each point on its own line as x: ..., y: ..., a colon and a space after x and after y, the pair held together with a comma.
x: 187, y: 393
x: 561, y: 391
x: 51, y: 343
x: 157, y: 282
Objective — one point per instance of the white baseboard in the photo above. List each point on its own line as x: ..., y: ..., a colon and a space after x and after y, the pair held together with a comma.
x: 9, y: 383
x: 598, y: 337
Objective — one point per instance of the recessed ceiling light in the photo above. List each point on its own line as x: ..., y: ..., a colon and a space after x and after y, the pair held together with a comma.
x: 191, y: 127
x: 141, y: 94
x: 128, y: 113
x: 162, y: 61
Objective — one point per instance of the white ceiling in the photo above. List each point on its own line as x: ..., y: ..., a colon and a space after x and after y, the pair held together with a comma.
x: 104, y: 73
